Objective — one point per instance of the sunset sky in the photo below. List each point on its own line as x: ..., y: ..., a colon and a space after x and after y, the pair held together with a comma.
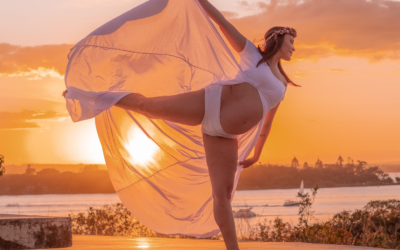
x: 347, y: 61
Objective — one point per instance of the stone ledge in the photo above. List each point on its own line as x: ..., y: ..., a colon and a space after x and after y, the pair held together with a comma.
x: 90, y: 242
x: 34, y: 232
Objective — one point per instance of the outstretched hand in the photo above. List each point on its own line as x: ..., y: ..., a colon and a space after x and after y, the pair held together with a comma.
x: 248, y: 162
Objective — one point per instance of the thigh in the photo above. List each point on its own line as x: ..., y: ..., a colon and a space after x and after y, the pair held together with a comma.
x: 187, y: 108
x: 221, y: 156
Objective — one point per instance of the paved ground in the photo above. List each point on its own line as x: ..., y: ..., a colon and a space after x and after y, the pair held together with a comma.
x: 115, y: 243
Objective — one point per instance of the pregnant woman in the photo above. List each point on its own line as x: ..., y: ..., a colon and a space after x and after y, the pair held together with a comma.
x: 235, y: 116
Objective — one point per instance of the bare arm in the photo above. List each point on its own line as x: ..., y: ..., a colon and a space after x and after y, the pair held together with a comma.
x: 237, y: 40
x: 261, y: 139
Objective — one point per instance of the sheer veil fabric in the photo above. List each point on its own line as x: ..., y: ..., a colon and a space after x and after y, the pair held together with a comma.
x: 158, y: 168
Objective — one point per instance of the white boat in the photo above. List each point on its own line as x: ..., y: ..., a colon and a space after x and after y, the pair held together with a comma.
x: 292, y: 202
x: 244, y: 213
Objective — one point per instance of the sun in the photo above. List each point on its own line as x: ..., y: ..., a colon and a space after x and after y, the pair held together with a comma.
x: 140, y: 148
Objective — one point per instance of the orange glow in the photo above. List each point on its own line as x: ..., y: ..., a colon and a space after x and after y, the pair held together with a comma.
x: 348, y: 70
x: 140, y: 147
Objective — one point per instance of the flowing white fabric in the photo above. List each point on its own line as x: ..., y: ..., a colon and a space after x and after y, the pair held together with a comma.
x: 158, y: 168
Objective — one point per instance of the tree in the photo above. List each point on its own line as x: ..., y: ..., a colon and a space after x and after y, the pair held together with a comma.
x: 305, y: 165
x: 305, y: 205
x: 350, y: 161
x: 295, y: 163
x: 340, y: 161
x: 2, y: 168
x: 359, y: 168
x: 319, y: 164
x: 398, y: 180
x: 29, y: 170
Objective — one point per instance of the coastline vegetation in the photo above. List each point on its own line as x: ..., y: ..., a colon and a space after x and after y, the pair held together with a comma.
x: 90, y: 180
x: 114, y: 220
x: 2, y: 168
x: 376, y: 225
x: 340, y: 174
x: 260, y: 176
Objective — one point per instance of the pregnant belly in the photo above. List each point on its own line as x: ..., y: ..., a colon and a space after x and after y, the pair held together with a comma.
x: 241, y: 108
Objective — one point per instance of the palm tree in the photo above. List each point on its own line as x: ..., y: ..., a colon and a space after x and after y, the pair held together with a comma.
x: 319, y: 164
x: 340, y: 161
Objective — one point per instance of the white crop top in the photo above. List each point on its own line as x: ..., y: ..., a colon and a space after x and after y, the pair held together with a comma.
x: 271, y: 89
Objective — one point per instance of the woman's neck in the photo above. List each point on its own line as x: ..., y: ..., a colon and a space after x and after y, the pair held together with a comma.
x: 273, y: 61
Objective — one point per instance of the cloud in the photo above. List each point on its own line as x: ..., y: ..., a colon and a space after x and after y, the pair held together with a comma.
x: 36, y: 74
x: 34, y: 62
x: 367, y: 29
x: 243, y: 3
x: 25, y: 119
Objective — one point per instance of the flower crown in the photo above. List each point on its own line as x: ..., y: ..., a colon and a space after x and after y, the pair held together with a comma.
x: 283, y: 31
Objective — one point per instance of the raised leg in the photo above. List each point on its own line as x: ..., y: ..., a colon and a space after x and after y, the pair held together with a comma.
x: 222, y: 156
x: 187, y: 108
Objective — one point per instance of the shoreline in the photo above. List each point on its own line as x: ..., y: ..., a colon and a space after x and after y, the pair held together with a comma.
x: 339, y: 186
x: 394, y: 184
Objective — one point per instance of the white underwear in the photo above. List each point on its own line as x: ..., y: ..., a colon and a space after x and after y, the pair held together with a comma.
x: 211, y: 123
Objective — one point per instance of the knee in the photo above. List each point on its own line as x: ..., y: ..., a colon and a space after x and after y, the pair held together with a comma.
x: 223, y: 196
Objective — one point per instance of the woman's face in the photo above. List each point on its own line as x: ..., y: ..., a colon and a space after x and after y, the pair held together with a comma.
x: 287, y: 48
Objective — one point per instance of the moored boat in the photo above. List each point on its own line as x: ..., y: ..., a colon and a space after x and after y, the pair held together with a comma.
x: 293, y: 202
x: 244, y: 213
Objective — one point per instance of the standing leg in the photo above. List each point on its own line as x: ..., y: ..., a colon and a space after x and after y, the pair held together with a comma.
x: 222, y: 156
x: 187, y: 108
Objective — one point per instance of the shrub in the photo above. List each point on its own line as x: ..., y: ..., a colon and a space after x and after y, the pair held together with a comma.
x: 114, y: 220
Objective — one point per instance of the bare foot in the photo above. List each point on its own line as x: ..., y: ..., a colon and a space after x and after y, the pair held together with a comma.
x: 64, y: 93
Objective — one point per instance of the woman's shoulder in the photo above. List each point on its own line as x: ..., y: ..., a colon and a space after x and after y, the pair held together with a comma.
x: 249, y: 48
x: 249, y: 56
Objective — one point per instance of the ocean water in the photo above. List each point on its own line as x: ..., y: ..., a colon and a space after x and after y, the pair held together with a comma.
x: 54, y: 204
x: 267, y: 204
x: 328, y: 201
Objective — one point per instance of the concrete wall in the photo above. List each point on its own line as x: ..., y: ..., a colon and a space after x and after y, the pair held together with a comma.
x: 34, y: 232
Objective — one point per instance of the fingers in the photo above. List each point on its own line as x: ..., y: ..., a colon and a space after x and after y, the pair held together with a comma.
x: 246, y: 163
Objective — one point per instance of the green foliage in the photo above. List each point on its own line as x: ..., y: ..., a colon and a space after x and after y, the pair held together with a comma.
x: 2, y: 168
x: 306, y: 202
x: 319, y: 164
x: 276, y: 231
x: 113, y: 220
x: 376, y: 225
x: 262, y: 176
x: 29, y: 170
x: 51, y: 181
x: 295, y: 163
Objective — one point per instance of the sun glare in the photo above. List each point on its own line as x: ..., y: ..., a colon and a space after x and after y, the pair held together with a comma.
x: 141, y: 148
